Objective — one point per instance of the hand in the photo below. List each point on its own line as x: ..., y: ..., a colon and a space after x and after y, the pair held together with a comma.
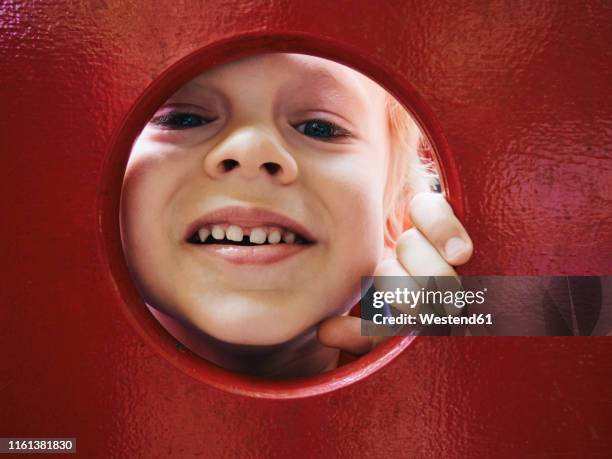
x: 436, y: 243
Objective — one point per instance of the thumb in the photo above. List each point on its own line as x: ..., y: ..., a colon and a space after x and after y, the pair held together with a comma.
x: 344, y: 333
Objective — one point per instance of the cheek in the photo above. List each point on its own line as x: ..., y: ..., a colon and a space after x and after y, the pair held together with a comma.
x: 354, y: 194
x: 139, y: 206
x: 153, y: 175
x: 148, y: 186
x: 352, y: 190
x: 140, y: 198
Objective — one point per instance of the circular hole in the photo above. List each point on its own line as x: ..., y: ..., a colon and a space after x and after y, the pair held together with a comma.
x: 198, y: 110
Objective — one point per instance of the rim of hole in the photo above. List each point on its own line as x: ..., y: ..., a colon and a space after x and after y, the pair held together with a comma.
x: 109, y: 239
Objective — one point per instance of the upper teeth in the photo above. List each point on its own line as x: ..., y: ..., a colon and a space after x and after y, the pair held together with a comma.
x: 218, y: 232
x: 257, y: 235
x: 203, y: 234
x: 274, y: 237
x: 234, y: 233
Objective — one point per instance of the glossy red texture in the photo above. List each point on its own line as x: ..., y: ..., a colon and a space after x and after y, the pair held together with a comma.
x: 516, y: 99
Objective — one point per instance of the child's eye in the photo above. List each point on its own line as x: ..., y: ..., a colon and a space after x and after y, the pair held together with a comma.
x: 321, y: 129
x: 177, y: 120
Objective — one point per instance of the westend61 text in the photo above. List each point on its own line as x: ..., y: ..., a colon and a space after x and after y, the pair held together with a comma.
x: 433, y: 319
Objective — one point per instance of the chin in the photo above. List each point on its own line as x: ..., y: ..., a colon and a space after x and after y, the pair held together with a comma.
x: 249, y: 332
x: 256, y: 319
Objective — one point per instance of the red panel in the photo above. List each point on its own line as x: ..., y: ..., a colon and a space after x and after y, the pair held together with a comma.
x: 516, y: 99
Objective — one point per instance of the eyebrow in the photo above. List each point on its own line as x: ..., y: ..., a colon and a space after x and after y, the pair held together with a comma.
x: 306, y: 72
x: 202, y: 89
x: 351, y: 93
x: 319, y: 74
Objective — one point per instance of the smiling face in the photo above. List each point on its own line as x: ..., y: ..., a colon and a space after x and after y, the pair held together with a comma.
x: 252, y: 201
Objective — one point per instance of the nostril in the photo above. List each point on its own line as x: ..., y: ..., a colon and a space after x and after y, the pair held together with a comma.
x: 228, y: 164
x: 272, y: 168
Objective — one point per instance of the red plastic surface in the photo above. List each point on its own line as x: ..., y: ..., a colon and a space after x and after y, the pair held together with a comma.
x: 516, y: 99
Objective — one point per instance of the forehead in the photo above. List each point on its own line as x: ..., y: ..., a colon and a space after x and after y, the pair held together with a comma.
x: 288, y: 70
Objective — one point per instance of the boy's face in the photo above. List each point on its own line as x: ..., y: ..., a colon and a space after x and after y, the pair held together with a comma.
x: 274, y: 146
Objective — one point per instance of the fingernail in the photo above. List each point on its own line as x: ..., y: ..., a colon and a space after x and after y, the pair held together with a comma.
x: 454, y: 247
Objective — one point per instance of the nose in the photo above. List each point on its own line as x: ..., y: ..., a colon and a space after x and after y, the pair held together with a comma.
x: 251, y: 152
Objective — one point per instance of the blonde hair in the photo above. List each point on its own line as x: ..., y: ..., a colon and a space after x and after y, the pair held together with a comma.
x: 408, y: 174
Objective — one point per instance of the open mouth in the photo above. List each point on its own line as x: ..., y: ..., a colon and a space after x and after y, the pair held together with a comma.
x: 238, y: 235
x: 248, y: 236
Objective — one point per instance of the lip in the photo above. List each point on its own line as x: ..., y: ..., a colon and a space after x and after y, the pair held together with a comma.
x: 253, y: 255
x: 248, y: 217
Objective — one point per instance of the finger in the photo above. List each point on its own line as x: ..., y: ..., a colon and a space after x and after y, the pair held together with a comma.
x: 390, y: 275
x: 385, y: 273
x: 433, y: 216
x: 424, y: 263
x: 344, y: 333
x: 419, y: 257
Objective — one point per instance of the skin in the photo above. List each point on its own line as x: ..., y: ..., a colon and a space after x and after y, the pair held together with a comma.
x: 238, y: 315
